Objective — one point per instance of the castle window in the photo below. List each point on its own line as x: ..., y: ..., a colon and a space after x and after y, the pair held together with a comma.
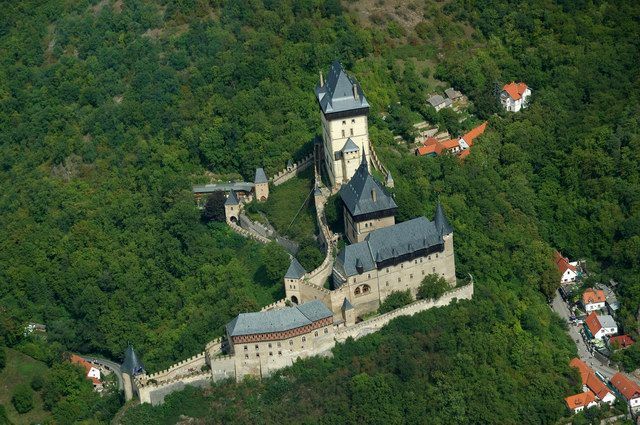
x: 422, y: 272
x: 433, y: 270
x: 353, y: 121
x: 365, y: 289
x: 357, y: 291
x: 342, y: 133
x: 402, y: 266
x: 421, y: 260
x: 245, y: 347
x: 257, y: 354
x: 351, y: 131
x: 278, y: 344
x: 246, y: 356
x: 369, y: 276
x: 326, y: 330
x: 279, y: 353
x: 269, y: 345
x: 399, y: 280
x: 290, y: 342
x: 256, y: 346
x: 436, y: 255
x: 429, y: 258
x: 271, y: 353
x: 387, y: 283
x: 410, y: 276
x: 304, y: 339
x: 316, y: 333
x: 415, y: 262
x: 387, y: 269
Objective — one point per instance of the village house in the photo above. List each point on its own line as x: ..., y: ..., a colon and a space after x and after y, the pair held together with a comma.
x: 591, y: 382
x: 460, y: 146
x: 515, y: 96
x: 453, y: 94
x: 620, y: 342
x: 568, y: 270
x: 578, y: 402
x: 439, y: 102
x: 92, y: 373
x: 601, y: 326
x: 628, y: 389
x: 593, y: 299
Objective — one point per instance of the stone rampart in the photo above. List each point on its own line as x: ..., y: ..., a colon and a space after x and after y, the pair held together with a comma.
x: 292, y: 171
x: 185, y: 367
x: 214, y: 347
x: 248, y: 234
x: 276, y: 305
x: 376, y: 162
x: 155, y: 393
x: 372, y: 325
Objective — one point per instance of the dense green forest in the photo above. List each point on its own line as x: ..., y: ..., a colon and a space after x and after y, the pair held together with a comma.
x: 110, y: 110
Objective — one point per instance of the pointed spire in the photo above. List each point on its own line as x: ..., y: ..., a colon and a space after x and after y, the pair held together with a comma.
x: 232, y: 199
x: 441, y: 222
x: 295, y: 270
x: 346, y: 305
x: 364, y: 164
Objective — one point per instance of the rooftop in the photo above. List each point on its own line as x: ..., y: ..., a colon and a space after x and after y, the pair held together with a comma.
x: 261, y: 177
x: 364, y: 195
x: 593, y: 296
x: 562, y: 263
x: 295, y: 270
x: 580, y: 400
x: 232, y: 199
x: 337, y: 93
x: 625, y: 386
x: 278, y: 320
x: 515, y: 90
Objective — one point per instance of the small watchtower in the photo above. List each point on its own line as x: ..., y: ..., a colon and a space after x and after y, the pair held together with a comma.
x: 232, y: 207
x: 348, y: 313
x: 292, y: 279
x: 261, y: 185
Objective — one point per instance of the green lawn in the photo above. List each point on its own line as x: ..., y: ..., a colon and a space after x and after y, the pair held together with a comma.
x: 286, y: 200
x: 20, y: 369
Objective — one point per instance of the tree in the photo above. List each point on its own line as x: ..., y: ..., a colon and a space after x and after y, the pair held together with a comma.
x: 214, y: 207
x: 396, y: 299
x: 433, y: 286
x: 37, y: 382
x: 22, y: 398
x: 3, y: 357
x: 276, y: 261
x: 4, y: 419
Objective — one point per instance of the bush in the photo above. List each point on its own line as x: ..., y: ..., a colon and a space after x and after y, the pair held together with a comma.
x: 395, y: 300
x: 3, y: 358
x: 22, y: 399
x: 433, y: 286
x: 37, y: 383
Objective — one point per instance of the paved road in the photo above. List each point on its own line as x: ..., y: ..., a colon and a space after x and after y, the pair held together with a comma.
x: 115, y: 367
x: 559, y: 306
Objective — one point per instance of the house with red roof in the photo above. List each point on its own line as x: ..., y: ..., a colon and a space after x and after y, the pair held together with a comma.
x: 578, y: 402
x: 591, y: 382
x: 568, y: 270
x: 593, y: 299
x: 601, y: 326
x: 628, y: 389
x: 92, y: 372
x: 514, y: 96
x: 459, y: 147
x: 620, y: 342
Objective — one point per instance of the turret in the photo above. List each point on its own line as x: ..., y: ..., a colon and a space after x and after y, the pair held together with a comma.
x: 441, y: 222
x: 292, y: 280
x: 348, y: 313
x: 232, y: 207
x: 261, y: 185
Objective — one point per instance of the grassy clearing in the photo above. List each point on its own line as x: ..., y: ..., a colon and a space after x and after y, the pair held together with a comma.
x: 284, y: 203
x: 21, y: 369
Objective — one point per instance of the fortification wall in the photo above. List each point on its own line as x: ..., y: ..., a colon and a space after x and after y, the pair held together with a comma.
x: 155, y: 393
x: 376, y: 162
x: 248, y: 234
x: 372, y: 325
x: 276, y: 305
x: 185, y: 367
x: 213, y: 348
x: 288, y: 173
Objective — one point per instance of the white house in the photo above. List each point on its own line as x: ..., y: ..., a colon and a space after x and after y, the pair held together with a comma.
x: 629, y: 389
x: 593, y: 299
x: 515, y: 96
x: 601, y: 326
x: 568, y: 271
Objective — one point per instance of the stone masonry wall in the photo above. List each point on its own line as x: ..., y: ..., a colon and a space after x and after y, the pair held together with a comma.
x: 290, y: 172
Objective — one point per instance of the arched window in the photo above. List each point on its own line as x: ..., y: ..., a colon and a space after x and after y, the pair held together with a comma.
x: 366, y: 289
x: 357, y: 291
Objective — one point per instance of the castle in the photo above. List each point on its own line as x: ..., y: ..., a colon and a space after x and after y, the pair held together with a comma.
x: 383, y: 256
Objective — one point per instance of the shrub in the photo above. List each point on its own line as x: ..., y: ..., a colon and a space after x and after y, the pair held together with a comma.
x: 433, y: 286
x: 395, y: 300
x: 37, y: 383
x: 22, y: 399
x: 3, y: 358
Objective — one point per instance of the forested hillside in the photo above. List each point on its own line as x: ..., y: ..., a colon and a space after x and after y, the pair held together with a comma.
x: 110, y: 110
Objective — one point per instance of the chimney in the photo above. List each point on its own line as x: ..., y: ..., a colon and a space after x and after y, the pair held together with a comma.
x: 356, y: 96
x: 374, y: 196
x: 321, y: 80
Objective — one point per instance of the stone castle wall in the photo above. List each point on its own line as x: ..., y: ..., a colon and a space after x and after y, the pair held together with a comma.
x: 290, y: 172
x: 372, y: 325
x: 185, y: 367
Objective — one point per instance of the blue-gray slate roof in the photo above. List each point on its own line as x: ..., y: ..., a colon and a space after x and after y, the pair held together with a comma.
x: 295, y: 270
x: 346, y: 305
x: 442, y: 224
x: 131, y: 364
x: 261, y: 177
x: 278, y: 320
x: 350, y: 146
x: 357, y: 193
x: 336, y: 95
x: 232, y: 199
x: 386, y: 243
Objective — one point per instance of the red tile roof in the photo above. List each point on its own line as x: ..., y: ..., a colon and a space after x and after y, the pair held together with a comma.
x: 592, y: 296
x: 562, y: 263
x: 465, y: 153
x: 580, y: 400
x: 625, y: 386
x: 590, y: 379
x: 623, y: 341
x: 87, y: 366
x: 450, y: 144
x: 473, y: 133
x: 515, y: 90
x: 593, y: 323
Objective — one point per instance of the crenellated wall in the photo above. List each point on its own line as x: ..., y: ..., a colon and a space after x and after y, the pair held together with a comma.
x: 276, y: 305
x: 185, y: 367
x: 248, y: 234
x: 290, y: 172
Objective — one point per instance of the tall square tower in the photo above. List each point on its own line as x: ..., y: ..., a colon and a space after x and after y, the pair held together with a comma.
x: 345, y: 130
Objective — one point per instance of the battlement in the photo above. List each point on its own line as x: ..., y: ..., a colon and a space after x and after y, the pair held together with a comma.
x: 248, y: 234
x: 278, y: 304
x: 291, y: 171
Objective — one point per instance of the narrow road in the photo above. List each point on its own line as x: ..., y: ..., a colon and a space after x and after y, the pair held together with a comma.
x: 113, y: 366
x: 560, y: 307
